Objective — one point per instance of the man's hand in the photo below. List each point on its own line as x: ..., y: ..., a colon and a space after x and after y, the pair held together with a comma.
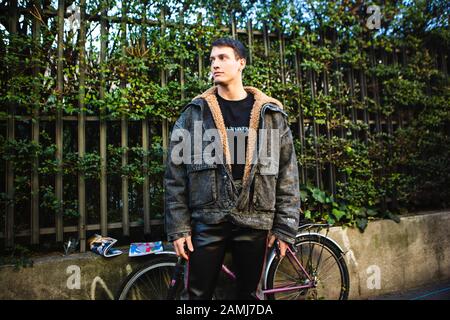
x: 281, y: 245
x: 179, y: 246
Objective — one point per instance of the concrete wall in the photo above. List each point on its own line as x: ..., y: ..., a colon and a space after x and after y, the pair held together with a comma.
x: 387, y: 257
x: 391, y: 257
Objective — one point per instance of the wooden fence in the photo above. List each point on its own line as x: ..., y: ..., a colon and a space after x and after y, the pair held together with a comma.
x: 360, y: 84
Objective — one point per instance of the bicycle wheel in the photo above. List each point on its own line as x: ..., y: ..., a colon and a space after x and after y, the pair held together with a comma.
x: 322, y: 260
x: 151, y: 281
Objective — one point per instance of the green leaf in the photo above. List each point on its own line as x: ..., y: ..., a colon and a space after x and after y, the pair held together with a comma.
x: 361, y: 212
x: 330, y: 220
x: 328, y: 199
x: 393, y: 216
x: 338, y: 214
x: 308, y: 214
x: 303, y: 196
x: 319, y: 195
x: 361, y: 223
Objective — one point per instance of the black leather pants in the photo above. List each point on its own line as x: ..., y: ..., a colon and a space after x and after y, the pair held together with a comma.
x: 248, y: 251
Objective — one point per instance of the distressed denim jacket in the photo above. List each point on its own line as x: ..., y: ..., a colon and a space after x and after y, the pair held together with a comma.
x: 205, y: 190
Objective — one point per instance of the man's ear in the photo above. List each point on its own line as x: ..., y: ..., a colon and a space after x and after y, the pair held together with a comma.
x: 243, y: 64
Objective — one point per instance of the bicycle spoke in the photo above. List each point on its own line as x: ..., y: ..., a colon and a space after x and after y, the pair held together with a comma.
x: 295, y: 295
x: 159, y: 283
x: 337, y: 261
x: 317, y: 270
x: 294, y: 264
x: 309, y: 258
x: 328, y: 275
x: 323, y: 280
x: 301, y: 256
x: 292, y: 278
x: 283, y: 285
x: 155, y: 286
x: 287, y: 296
x: 133, y: 294
x: 137, y: 292
x: 149, y: 284
x: 320, y: 255
x: 165, y: 281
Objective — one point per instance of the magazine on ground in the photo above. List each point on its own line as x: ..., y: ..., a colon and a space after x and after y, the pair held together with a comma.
x: 138, y: 249
x: 103, y: 246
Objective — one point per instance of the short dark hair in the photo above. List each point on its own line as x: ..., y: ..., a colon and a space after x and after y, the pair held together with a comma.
x: 239, y: 50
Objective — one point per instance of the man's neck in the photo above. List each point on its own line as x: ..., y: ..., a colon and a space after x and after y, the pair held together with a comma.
x: 232, y: 91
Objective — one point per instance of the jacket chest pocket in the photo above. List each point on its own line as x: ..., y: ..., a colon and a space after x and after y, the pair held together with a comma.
x: 202, y: 184
x: 264, y: 192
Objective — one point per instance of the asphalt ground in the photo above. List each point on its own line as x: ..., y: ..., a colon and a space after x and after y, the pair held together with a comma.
x: 432, y: 291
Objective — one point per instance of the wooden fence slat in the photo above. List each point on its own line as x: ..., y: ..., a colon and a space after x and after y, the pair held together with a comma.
x: 315, y: 131
x: 96, y: 119
x: 146, y: 184
x: 103, y: 127
x: 329, y: 134
x: 266, y: 49
x: 233, y: 26
x: 301, y: 122
x: 340, y: 85
x: 89, y: 227
x: 353, y: 113
x: 200, y: 52
x: 82, y: 129
x: 125, y: 197
x: 376, y: 96
x: 444, y: 67
x: 145, y: 145
x: 124, y: 136
x: 363, y: 95
x: 250, y: 41
x: 182, y: 26
x: 10, y: 135
x: 165, y: 124
x: 266, y: 40
x: 281, y: 54
x: 59, y: 124
x: 35, y: 135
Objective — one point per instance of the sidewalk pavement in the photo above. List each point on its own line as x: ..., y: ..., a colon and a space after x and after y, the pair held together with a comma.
x: 433, y: 291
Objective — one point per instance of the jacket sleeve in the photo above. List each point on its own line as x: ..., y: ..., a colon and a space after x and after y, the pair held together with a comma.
x: 287, y: 214
x: 177, y: 214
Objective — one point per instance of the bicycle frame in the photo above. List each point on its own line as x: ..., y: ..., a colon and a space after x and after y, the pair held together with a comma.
x: 293, y: 258
x: 290, y: 254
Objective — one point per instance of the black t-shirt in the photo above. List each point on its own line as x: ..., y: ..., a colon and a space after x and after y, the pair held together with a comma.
x: 236, y: 115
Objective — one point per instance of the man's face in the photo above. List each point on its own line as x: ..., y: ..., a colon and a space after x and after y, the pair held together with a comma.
x: 224, y: 65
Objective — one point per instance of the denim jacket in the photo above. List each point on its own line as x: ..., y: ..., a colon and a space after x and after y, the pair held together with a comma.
x: 205, y: 191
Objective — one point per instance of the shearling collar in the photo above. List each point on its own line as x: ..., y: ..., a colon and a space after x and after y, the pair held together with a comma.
x: 260, y: 99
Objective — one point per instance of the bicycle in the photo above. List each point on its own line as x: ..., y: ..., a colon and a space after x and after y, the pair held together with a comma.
x: 293, y: 277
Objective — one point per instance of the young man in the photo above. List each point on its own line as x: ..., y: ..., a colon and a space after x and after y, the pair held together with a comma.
x: 244, y: 199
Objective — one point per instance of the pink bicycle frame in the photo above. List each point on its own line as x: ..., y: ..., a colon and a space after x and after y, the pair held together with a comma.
x: 292, y: 257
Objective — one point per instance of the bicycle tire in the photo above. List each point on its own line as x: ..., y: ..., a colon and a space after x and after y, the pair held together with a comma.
x: 333, y: 251
x: 138, y: 284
